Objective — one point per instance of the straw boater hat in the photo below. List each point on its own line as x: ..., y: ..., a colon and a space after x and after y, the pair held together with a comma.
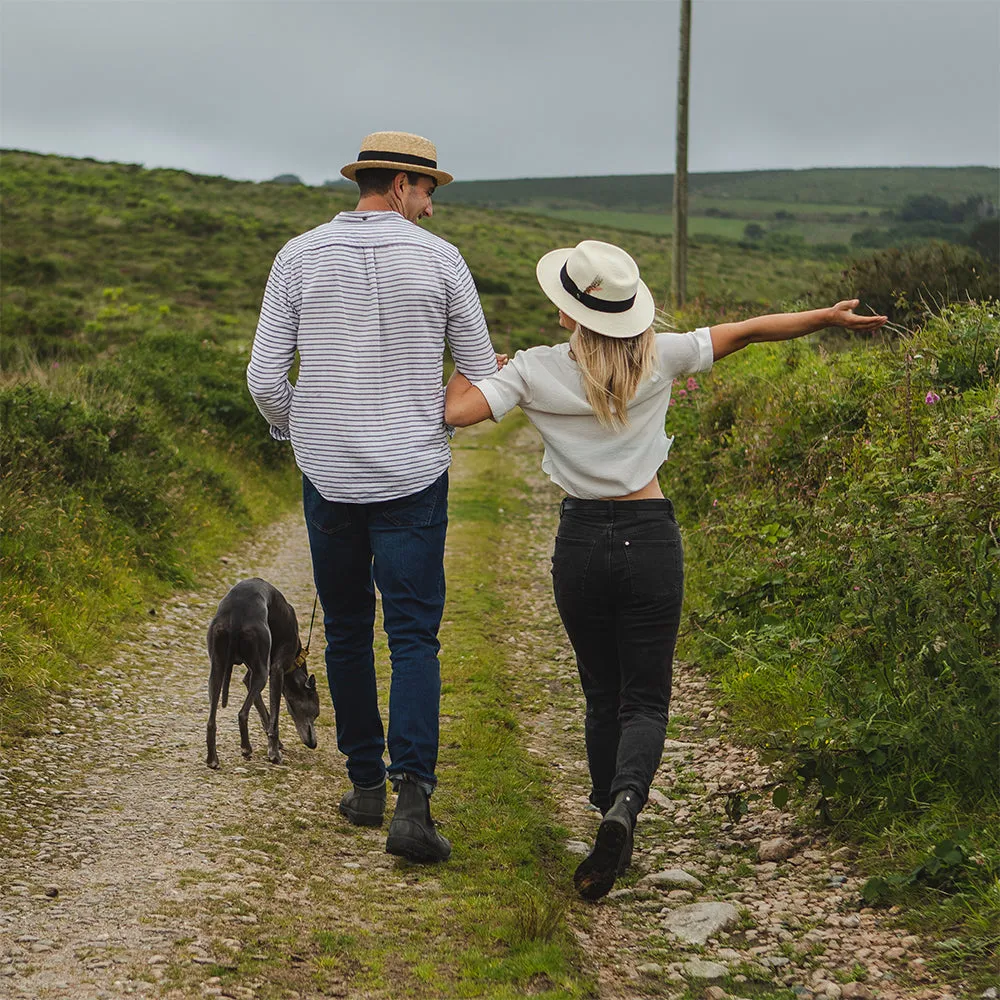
x: 397, y: 151
x: 598, y: 285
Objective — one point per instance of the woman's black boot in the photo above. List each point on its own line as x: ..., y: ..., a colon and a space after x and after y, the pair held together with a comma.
x: 612, y: 851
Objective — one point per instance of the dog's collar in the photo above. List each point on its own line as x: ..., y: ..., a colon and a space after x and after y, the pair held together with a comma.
x: 299, y: 661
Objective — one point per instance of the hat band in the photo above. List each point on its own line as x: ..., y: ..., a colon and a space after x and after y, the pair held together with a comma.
x: 598, y: 305
x: 374, y: 154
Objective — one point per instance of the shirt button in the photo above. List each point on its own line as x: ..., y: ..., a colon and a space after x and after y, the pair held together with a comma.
x: 626, y: 543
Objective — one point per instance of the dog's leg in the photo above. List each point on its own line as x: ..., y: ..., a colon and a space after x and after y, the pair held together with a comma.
x: 265, y: 719
x: 214, y: 689
x: 256, y: 678
x: 276, y: 677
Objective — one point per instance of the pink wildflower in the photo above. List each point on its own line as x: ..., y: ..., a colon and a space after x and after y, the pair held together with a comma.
x: 932, y: 397
x: 682, y: 393
x: 692, y: 384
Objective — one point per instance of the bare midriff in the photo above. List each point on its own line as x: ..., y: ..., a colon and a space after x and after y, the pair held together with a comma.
x: 651, y: 491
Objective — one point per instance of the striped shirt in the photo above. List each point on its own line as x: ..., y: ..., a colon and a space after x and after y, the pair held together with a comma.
x: 368, y: 300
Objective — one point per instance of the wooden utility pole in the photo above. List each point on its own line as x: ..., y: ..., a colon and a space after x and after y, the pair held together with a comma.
x: 678, y: 285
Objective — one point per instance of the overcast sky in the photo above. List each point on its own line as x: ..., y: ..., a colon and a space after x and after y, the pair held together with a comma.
x: 509, y: 88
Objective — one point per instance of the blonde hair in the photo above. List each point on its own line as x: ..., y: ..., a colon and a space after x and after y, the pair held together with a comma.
x: 613, y: 368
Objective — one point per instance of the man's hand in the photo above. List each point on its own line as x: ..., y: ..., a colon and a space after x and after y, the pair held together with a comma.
x: 502, y: 359
x: 842, y: 314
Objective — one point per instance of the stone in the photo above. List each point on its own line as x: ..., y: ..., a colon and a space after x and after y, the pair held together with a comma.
x: 776, y: 849
x: 650, y: 969
x: 577, y: 847
x: 990, y: 994
x: 715, y: 993
x: 697, y: 922
x: 698, y: 968
x: 856, y: 991
x: 672, y: 878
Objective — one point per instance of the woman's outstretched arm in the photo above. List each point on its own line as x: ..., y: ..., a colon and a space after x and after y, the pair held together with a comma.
x: 728, y: 338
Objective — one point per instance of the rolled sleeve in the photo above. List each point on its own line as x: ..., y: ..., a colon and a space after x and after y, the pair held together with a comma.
x: 685, y: 353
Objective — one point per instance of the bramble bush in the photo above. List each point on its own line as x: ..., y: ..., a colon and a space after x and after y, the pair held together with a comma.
x: 909, y: 283
x: 844, y: 574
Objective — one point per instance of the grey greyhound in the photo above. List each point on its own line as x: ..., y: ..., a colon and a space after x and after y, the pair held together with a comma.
x: 256, y: 626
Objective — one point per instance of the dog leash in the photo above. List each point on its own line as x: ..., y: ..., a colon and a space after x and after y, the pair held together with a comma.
x: 300, y: 660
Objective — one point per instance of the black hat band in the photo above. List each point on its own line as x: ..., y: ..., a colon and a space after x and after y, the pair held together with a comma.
x: 598, y: 305
x: 374, y: 154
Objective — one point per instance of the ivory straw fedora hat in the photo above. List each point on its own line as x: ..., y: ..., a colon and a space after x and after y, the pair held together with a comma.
x: 397, y: 151
x: 598, y: 285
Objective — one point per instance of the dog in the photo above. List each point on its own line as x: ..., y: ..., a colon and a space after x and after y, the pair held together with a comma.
x: 255, y: 625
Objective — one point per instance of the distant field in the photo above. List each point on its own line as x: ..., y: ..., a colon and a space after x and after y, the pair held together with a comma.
x: 661, y: 224
x: 867, y: 187
x: 762, y: 208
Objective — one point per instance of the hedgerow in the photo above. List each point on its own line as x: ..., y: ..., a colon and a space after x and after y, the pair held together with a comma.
x: 844, y: 564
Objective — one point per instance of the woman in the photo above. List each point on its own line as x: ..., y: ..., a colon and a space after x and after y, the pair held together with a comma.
x: 600, y: 403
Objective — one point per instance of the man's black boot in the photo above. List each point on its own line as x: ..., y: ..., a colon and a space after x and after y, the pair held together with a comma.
x: 364, y: 806
x: 411, y: 833
x: 612, y: 851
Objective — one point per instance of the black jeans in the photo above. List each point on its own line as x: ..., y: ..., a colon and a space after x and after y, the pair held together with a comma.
x: 618, y: 577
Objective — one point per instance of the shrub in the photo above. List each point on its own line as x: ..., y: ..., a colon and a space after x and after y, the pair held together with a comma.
x: 908, y: 284
x: 115, y: 458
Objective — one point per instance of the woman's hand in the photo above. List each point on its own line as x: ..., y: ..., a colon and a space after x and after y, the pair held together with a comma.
x: 502, y: 359
x: 842, y: 314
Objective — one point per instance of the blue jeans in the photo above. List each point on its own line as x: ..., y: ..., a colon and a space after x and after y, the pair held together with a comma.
x: 618, y: 577
x: 398, y: 546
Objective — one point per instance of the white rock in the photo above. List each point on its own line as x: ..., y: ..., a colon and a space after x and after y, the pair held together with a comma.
x: 650, y: 969
x: 673, y: 878
x: 697, y: 922
x: 698, y: 968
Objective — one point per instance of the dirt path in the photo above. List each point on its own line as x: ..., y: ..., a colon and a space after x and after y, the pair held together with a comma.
x: 119, y: 814
x: 131, y: 869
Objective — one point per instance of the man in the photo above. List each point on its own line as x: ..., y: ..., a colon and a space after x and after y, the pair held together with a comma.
x: 369, y: 300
